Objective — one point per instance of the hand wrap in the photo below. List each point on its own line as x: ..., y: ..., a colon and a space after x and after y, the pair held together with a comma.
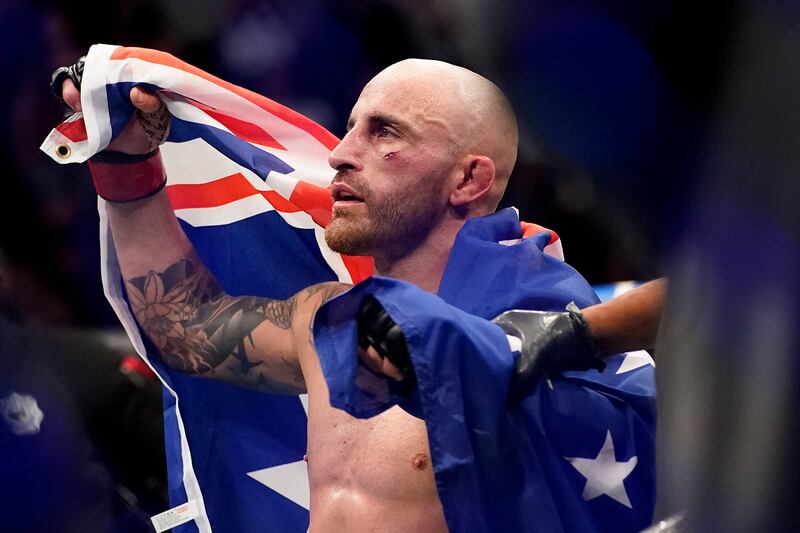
x: 120, y: 177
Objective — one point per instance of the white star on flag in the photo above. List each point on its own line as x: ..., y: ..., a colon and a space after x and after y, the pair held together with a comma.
x: 634, y: 360
x: 604, y: 474
x: 290, y: 480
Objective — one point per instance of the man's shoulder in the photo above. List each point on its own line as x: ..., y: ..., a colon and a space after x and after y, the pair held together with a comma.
x: 315, y: 296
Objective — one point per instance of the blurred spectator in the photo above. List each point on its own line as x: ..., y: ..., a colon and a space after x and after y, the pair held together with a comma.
x: 81, y: 434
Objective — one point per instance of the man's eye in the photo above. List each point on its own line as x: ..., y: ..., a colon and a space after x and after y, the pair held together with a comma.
x: 385, y: 132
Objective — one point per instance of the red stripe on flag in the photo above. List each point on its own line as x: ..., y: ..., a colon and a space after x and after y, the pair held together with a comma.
x: 223, y: 191
x: 529, y: 230
x: 75, y: 130
x: 322, y: 135
x: 279, y: 202
x: 360, y: 267
x: 212, y: 194
x: 314, y: 200
x: 246, y: 131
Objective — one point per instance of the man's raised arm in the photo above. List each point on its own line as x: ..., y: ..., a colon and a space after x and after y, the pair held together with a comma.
x: 196, y: 327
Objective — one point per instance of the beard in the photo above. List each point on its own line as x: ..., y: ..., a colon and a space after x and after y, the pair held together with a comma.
x: 393, y: 223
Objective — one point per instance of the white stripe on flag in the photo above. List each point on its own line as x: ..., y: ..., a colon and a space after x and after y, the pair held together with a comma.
x: 225, y: 214
x: 196, y: 162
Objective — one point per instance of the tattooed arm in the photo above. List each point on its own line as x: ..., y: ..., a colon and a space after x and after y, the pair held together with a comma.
x: 195, y: 325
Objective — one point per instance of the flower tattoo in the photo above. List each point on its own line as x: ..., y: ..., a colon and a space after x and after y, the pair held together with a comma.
x: 199, y: 329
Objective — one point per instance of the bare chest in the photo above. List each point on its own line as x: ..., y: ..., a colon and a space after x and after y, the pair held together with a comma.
x: 371, y: 475
x: 386, y: 456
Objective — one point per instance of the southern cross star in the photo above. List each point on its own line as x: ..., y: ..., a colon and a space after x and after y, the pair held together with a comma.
x: 290, y: 480
x: 604, y: 474
x: 634, y: 360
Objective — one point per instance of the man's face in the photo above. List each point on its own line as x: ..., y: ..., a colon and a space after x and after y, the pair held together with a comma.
x: 393, y: 165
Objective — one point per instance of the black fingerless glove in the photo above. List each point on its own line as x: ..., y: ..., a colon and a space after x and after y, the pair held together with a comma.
x: 377, y: 329
x: 73, y: 72
x: 551, y: 342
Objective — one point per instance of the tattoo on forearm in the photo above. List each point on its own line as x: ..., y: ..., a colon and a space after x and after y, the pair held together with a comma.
x: 199, y: 329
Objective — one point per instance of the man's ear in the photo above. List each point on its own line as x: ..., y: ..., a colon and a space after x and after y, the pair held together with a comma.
x: 476, y: 179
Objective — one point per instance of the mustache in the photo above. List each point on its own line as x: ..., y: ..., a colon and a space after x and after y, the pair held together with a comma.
x: 357, y: 183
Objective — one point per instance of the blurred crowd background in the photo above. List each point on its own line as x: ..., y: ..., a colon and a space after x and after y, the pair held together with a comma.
x: 611, y: 96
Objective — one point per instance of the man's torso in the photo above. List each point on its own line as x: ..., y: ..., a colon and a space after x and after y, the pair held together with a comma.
x: 371, y: 475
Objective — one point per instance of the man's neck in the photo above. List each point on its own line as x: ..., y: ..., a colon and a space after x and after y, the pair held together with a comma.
x: 424, y: 264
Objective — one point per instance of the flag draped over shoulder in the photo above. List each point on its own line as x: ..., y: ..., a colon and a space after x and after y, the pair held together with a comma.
x: 575, y: 455
x: 247, y: 179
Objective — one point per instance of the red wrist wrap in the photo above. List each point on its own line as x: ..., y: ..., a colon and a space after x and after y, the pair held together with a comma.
x: 128, y: 182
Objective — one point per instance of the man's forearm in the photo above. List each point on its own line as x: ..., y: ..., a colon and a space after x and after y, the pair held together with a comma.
x: 147, y: 235
x: 166, y: 282
x: 197, y: 327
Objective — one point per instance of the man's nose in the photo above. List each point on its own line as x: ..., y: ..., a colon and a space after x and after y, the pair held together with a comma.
x: 345, y: 155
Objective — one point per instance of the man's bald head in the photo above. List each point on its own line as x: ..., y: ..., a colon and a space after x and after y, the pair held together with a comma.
x: 428, y: 145
x: 475, y: 113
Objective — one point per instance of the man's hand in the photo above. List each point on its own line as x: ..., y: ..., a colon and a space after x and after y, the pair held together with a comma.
x: 382, y: 346
x: 133, y: 139
x: 146, y: 129
x: 130, y: 169
x: 379, y: 363
x: 551, y: 342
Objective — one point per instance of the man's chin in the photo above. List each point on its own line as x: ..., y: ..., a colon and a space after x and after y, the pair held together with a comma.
x: 345, y: 241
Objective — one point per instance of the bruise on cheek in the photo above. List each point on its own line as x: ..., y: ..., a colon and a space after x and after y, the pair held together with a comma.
x: 389, y: 155
x: 419, y: 461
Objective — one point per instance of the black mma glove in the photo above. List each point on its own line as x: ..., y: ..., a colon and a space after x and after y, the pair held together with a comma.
x: 73, y: 72
x: 377, y: 329
x: 551, y: 342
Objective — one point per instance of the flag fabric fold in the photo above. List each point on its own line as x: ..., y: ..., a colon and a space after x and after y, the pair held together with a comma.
x: 575, y: 455
x: 248, y: 180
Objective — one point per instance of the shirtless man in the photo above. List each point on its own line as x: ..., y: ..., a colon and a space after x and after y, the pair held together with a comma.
x: 428, y: 145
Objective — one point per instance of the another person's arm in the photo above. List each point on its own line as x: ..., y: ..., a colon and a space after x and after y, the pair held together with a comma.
x: 580, y: 340
x: 550, y: 341
x: 629, y: 321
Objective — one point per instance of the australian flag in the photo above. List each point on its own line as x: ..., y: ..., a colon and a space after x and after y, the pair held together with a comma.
x: 247, y: 178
